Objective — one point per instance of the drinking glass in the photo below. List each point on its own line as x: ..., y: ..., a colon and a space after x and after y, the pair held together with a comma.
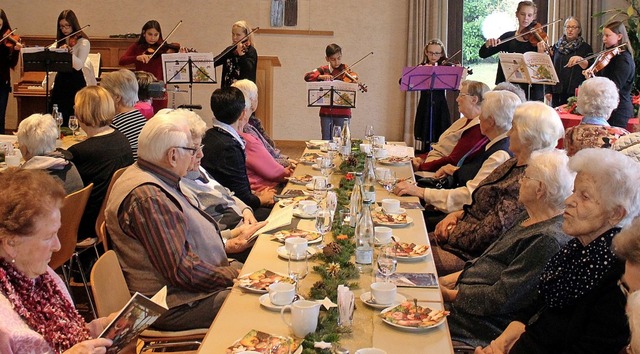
x: 59, y: 121
x: 387, y: 261
x: 74, y: 125
x: 298, y: 268
x: 326, y: 165
x: 337, y: 134
x: 320, y: 185
x: 389, y: 180
x: 323, y: 221
x: 368, y: 133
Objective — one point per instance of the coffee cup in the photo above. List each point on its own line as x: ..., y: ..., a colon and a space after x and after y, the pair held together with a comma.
x: 383, y: 234
x: 307, y: 207
x: 378, y: 140
x: 304, y: 317
x: 281, y: 294
x: 296, y: 245
x: 380, y: 153
x: 383, y: 293
x: 12, y: 160
x: 366, y: 148
x: 390, y: 206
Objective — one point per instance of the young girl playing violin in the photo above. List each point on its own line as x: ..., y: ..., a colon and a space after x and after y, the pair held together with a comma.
x: 9, y: 53
x: 239, y: 60
x: 526, y: 15
x: 67, y: 84
x: 142, y: 54
x: 428, y: 128
x: 618, y: 66
x: 331, y: 116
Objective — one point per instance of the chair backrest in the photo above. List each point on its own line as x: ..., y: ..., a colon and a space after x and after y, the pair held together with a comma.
x: 102, y: 236
x: 100, y: 219
x: 70, y: 215
x: 110, y: 290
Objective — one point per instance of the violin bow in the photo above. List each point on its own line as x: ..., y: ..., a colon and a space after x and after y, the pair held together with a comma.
x: 226, y: 51
x: 166, y: 39
x: 347, y: 67
x: 67, y: 36
x: 8, y: 34
x: 596, y: 54
x: 529, y: 31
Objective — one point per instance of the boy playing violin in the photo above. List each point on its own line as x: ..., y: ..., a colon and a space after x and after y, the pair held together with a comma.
x: 331, y: 116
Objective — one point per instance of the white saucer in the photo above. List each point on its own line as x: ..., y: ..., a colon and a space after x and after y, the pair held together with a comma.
x: 266, y: 302
x: 399, y: 211
x: 365, y: 297
x: 302, y: 215
x: 282, y: 252
x: 310, y: 186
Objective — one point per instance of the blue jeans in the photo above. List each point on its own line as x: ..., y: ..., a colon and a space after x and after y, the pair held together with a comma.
x: 327, y: 124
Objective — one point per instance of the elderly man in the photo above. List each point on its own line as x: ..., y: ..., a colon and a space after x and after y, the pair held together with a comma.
x: 162, y: 239
x: 123, y: 87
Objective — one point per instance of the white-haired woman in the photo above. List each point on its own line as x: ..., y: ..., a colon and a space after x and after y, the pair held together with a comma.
x: 495, y: 122
x: 580, y: 308
x: 254, y: 126
x: 37, y: 136
x: 240, y: 60
x: 485, y: 296
x: 123, y: 87
x: 597, y: 98
x: 494, y: 209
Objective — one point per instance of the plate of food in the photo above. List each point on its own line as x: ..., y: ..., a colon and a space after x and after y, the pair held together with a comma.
x: 410, y: 251
x: 315, y: 144
x: 295, y: 200
x: 258, y: 282
x: 309, y: 158
x: 410, y: 317
x: 368, y: 299
x: 391, y: 220
x: 282, y: 252
x: 301, y: 180
x: 260, y: 342
x: 310, y: 186
x: 395, y: 160
x: 318, y: 168
x: 311, y: 236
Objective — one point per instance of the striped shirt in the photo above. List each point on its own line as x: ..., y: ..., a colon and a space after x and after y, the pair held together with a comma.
x: 130, y: 124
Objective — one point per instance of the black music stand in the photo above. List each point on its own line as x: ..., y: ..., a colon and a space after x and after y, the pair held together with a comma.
x: 189, y: 71
x: 431, y: 78
x: 47, y: 61
x: 331, y: 94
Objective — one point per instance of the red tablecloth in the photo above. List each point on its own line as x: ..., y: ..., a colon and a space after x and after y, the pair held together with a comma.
x: 569, y: 120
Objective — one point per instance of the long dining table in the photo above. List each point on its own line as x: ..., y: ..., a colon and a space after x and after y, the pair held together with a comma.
x: 242, y: 311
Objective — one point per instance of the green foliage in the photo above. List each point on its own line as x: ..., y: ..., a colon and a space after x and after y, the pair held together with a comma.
x: 328, y: 331
x: 354, y: 163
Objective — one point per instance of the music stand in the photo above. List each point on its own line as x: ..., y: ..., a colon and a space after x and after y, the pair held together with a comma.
x: 331, y: 94
x: 47, y: 60
x: 431, y: 78
x: 189, y: 68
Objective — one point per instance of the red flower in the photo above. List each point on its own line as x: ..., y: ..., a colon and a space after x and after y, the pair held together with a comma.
x: 635, y: 99
x: 349, y: 176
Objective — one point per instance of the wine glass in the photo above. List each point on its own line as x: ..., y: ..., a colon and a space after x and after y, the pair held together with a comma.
x: 323, y: 221
x: 337, y: 134
x: 326, y: 165
x: 320, y: 186
x: 389, y: 180
x: 298, y: 266
x: 387, y: 261
x: 368, y: 133
x: 59, y: 120
x: 74, y: 125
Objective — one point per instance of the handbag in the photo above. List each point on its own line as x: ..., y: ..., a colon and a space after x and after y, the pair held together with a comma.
x: 435, y: 183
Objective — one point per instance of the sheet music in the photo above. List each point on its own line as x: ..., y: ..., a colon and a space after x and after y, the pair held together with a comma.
x: 176, y: 69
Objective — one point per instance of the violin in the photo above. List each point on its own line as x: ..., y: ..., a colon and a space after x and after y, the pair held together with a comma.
x: 166, y: 48
x: 535, y: 34
x: 10, y: 39
x: 603, y: 59
x: 449, y: 62
x: 347, y: 75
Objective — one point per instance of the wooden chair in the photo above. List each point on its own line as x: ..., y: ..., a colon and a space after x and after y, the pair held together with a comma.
x: 111, y: 293
x: 71, y: 213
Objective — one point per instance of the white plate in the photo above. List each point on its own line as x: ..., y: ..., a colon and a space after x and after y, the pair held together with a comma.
x: 409, y: 328
x: 400, y: 211
x: 391, y: 224
x: 281, y: 238
x: 282, y: 252
x: 254, y: 290
x: 302, y: 215
x: 385, y: 161
x: 310, y: 186
x: 412, y: 259
x: 266, y: 302
x: 366, y: 297
x: 295, y: 180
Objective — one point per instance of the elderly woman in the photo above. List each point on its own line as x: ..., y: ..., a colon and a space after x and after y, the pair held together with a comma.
x: 627, y: 246
x: 485, y: 296
x: 213, y: 198
x: 462, y: 135
x: 495, y: 122
x: 37, y: 136
x: 36, y: 311
x: 103, y: 152
x: 597, y: 98
x: 263, y: 170
x: 465, y: 234
x: 123, y: 87
x: 254, y: 126
x: 580, y: 307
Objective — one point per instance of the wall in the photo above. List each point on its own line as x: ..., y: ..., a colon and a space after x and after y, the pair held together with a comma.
x: 360, y: 26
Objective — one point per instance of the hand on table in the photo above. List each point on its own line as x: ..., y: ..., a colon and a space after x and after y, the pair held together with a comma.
x: 266, y: 196
x: 407, y: 188
x: 446, y: 170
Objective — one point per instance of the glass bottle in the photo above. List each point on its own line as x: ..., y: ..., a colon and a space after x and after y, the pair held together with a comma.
x: 369, y: 180
x: 346, y: 139
x: 364, y: 238
x: 355, y: 203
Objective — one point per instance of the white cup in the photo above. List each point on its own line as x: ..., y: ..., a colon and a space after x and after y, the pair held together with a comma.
x: 319, y: 161
x: 378, y: 140
x: 366, y: 148
x: 308, y: 207
x: 391, y: 206
x: 383, y: 234
x: 304, y: 317
x: 12, y: 160
x: 380, y: 153
x: 383, y: 293
x: 282, y: 294
x: 296, y: 246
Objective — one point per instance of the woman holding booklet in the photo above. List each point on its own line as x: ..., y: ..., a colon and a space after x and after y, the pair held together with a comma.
x: 36, y: 311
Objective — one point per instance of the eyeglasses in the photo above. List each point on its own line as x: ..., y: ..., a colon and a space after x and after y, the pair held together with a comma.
x: 463, y: 94
x: 434, y: 53
x: 193, y: 150
x: 624, y: 288
x: 572, y: 27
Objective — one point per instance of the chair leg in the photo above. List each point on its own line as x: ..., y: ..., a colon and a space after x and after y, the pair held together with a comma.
x: 84, y: 282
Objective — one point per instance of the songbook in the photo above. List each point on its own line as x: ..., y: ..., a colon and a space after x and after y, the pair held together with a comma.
x: 528, y: 68
x: 276, y: 220
x: 411, y: 280
x: 331, y: 94
x: 138, y: 314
